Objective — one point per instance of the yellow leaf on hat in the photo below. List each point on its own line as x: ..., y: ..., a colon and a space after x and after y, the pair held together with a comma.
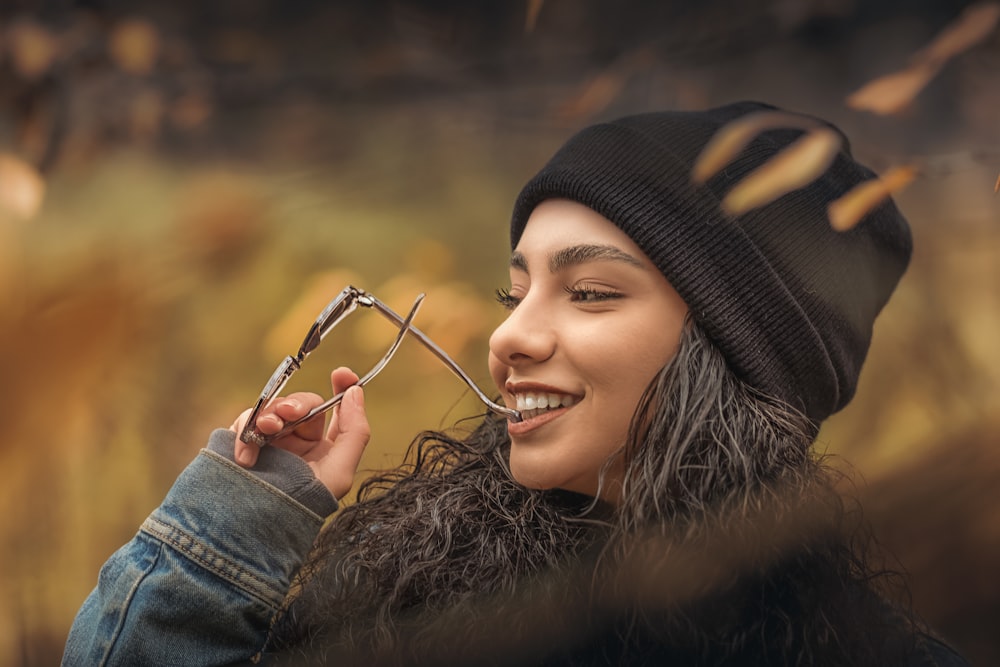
x: 848, y: 210
x: 21, y: 187
x: 733, y: 137
x: 793, y: 167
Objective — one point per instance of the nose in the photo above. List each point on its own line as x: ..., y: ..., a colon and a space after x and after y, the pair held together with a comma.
x: 526, y: 336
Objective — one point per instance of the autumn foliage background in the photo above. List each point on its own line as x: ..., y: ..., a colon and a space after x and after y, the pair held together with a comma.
x: 184, y: 185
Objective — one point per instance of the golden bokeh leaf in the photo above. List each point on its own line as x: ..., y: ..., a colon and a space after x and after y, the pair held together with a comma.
x: 894, y: 92
x: 850, y: 209
x: 595, y: 95
x: 534, y: 8
x: 972, y: 26
x: 793, y: 167
x: 890, y: 94
x: 22, y: 188
x: 33, y: 49
x: 601, y: 89
x: 134, y: 46
x: 733, y: 137
x: 996, y: 186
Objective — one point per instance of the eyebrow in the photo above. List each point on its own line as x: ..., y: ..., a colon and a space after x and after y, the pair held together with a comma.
x: 578, y: 254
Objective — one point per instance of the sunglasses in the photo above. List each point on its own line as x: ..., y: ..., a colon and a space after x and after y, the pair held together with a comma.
x: 343, y: 305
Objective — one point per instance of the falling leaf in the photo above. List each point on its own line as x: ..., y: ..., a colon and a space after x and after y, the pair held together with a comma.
x: 600, y: 90
x: 534, y: 7
x: 33, y: 49
x: 892, y: 93
x: 733, y: 137
x: 848, y: 210
x: 972, y: 26
x: 21, y: 187
x: 595, y: 96
x: 996, y: 187
x: 795, y: 166
x: 134, y: 46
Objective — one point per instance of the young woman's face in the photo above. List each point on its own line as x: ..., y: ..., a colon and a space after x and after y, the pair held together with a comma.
x: 591, y: 323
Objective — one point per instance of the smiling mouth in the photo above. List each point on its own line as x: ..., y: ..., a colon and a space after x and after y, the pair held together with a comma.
x: 532, y: 404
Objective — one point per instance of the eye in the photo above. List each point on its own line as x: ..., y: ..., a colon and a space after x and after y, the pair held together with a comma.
x: 584, y: 294
x: 505, y: 299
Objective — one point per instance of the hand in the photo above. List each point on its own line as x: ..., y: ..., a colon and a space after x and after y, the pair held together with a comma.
x: 334, y: 454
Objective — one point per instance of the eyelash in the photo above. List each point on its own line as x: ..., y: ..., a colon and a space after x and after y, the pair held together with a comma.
x: 579, y: 294
x: 589, y: 294
x: 505, y: 299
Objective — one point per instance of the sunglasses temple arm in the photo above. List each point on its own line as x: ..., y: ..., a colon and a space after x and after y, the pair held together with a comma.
x: 511, y: 415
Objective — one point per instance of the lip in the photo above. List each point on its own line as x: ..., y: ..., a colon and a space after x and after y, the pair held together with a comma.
x: 529, y: 425
x: 523, y: 387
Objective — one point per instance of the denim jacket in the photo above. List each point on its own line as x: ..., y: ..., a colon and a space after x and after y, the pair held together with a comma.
x: 201, y: 581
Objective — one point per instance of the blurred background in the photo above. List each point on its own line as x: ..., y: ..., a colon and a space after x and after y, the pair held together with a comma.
x: 184, y: 185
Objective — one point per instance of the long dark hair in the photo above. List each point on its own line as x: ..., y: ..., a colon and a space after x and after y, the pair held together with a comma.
x: 728, y: 545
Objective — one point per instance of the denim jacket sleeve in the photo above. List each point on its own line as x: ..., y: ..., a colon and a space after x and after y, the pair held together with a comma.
x: 201, y: 581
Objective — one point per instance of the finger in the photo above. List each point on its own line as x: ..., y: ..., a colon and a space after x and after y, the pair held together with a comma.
x: 293, y: 407
x: 296, y: 406
x: 338, y: 467
x: 244, y: 453
x: 340, y: 379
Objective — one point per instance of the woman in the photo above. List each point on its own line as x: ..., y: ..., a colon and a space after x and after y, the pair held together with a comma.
x: 658, y: 502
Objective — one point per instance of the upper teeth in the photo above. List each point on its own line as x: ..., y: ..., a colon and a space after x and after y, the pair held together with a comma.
x: 543, y: 400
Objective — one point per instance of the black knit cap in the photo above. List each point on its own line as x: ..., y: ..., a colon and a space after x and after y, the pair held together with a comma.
x: 788, y: 300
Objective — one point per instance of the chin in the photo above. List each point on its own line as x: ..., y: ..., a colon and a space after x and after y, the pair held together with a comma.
x: 530, y: 481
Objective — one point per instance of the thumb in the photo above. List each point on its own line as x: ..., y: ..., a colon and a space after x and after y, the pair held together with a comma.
x: 349, y: 434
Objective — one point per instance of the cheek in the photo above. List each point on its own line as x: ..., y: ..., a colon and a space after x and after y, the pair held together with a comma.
x: 628, y: 369
x: 498, y: 370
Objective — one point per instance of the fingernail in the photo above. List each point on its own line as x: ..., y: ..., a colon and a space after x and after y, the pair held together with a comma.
x: 356, y: 395
x: 244, y: 458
